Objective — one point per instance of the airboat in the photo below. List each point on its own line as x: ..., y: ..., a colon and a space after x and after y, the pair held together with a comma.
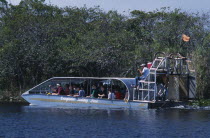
x: 169, y: 79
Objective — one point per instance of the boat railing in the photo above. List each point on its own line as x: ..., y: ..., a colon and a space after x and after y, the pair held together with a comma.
x: 154, y: 86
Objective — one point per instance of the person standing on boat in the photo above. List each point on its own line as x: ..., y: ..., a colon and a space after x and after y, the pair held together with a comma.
x: 143, y: 72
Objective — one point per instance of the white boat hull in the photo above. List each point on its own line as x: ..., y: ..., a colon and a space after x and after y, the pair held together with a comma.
x: 69, y: 101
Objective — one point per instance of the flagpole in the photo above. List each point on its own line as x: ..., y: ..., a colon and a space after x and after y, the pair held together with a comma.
x: 186, y: 39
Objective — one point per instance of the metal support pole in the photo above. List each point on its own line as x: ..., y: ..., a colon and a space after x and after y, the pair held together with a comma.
x: 155, y: 91
x: 148, y: 91
x: 142, y: 92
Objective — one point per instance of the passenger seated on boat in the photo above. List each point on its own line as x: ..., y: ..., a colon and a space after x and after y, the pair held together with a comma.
x: 111, y: 95
x: 71, y: 91
x: 144, y: 73
x: 76, y: 90
x: 59, y: 90
x: 118, y: 95
x: 67, y: 90
x: 102, y: 93
x: 94, y: 92
x: 81, y: 93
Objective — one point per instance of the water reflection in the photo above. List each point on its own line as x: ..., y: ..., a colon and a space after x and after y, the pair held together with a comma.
x: 10, y: 107
x: 27, y: 121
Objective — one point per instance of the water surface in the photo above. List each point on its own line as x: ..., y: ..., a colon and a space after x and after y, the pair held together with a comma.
x: 32, y: 121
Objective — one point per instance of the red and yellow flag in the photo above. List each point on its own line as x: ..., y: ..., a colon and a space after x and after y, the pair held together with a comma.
x: 185, y: 38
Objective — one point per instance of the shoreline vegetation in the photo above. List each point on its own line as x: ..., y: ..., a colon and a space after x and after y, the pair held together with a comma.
x: 11, y: 99
x: 39, y: 41
x: 6, y: 97
x: 200, y: 103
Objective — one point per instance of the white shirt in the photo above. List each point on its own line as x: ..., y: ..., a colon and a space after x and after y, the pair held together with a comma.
x: 145, y: 72
x: 111, y: 96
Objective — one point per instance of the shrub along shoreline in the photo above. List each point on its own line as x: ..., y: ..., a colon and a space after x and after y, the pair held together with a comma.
x: 39, y: 41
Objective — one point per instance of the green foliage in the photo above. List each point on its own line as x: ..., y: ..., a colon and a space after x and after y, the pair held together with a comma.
x: 39, y: 41
x: 201, y: 102
x: 202, y: 58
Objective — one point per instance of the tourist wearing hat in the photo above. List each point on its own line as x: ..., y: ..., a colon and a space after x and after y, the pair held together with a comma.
x: 59, y: 90
x: 144, y: 71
